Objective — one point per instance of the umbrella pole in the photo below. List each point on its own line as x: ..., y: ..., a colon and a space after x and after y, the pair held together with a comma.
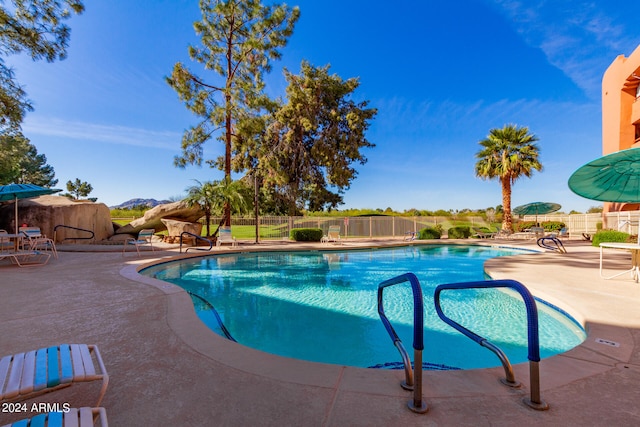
x: 15, y: 218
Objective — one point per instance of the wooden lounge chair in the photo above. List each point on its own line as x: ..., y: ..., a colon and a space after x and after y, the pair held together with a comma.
x: 29, y: 374
x: 81, y: 417
x: 224, y: 236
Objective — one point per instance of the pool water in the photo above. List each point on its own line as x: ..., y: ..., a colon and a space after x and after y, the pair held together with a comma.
x: 322, y: 306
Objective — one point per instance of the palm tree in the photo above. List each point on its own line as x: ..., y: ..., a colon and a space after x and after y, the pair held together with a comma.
x: 508, y: 154
x: 211, y: 197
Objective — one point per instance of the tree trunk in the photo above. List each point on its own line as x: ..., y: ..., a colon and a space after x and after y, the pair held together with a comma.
x: 507, y: 220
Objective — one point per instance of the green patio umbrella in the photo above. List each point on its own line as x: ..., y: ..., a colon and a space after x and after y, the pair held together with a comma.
x: 611, y: 178
x: 536, y: 208
x: 22, y: 191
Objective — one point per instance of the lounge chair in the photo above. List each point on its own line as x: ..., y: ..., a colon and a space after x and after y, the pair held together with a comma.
x: 34, y: 240
x: 503, y: 234
x: 482, y: 234
x: 333, y: 235
x: 408, y: 236
x: 224, y: 236
x: 81, y: 417
x: 563, y: 233
x: 24, y: 258
x: 5, y: 243
x: 144, y: 238
x: 30, y: 374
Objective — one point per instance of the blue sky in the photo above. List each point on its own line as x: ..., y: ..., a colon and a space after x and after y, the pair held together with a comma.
x: 440, y: 73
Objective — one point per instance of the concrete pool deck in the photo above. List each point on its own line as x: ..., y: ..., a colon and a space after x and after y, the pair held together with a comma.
x: 167, y: 368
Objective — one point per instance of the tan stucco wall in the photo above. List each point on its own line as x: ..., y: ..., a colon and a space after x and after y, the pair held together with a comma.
x: 620, y: 108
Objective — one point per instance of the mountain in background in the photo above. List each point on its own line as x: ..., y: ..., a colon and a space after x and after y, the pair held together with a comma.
x: 139, y: 202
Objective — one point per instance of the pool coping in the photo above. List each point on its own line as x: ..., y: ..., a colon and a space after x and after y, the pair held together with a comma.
x: 586, y: 360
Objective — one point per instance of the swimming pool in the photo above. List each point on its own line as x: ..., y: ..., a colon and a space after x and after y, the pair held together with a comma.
x: 322, y: 306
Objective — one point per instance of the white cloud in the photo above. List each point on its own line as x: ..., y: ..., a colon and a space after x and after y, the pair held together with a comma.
x: 111, y: 134
x: 580, y: 38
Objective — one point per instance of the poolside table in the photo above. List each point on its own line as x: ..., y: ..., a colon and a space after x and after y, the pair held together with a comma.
x: 635, y: 258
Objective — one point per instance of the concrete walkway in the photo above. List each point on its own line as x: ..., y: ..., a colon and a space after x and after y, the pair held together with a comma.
x: 167, y: 368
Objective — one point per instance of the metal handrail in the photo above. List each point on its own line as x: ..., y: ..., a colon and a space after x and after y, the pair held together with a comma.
x: 55, y: 230
x: 532, y: 334
x: 417, y: 404
x: 197, y: 237
x: 559, y: 247
x: 223, y: 328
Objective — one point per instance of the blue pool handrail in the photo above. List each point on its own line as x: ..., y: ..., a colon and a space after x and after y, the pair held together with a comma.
x: 532, y: 333
x: 223, y: 328
x: 412, y: 382
x: 552, y: 243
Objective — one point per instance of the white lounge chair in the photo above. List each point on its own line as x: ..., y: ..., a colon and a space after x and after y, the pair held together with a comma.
x: 477, y: 232
x: 26, y: 258
x: 224, y: 236
x: 34, y: 240
x: 29, y: 374
x: 80, y: 417
x: 333, y: 235
x: 145, y: 237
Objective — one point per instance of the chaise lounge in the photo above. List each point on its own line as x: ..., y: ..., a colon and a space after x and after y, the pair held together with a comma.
x: 81, y: 417
x: 32, y: 373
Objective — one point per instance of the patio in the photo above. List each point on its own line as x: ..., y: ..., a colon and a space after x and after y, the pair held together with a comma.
x: 167, y: 368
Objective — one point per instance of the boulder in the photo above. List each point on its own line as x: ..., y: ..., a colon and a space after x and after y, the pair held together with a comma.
x: 47, y: 212
x: 175, y: 228
x: 179, y: 211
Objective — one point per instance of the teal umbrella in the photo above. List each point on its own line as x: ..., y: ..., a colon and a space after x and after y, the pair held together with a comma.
x: 536, y: 208
x: 611, y: 178
x: 22, y: 191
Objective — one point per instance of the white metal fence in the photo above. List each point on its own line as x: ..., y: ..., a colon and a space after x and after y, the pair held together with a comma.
x: 279, y: 227
x: 575, y: 223
x: 622, y: 221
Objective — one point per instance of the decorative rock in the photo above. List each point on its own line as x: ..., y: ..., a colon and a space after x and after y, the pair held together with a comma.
x: 48, y: 211
x: 179, y: 211
x: 175, y: 228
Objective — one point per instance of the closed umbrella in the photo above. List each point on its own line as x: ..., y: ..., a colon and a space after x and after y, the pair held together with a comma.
x: 611, y: 178
x: 22, y: 191
x: 536, y: 208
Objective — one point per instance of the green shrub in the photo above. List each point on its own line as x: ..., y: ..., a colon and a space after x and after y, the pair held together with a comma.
x: 306, y: 234
x: 609, y: 236
x: 525, y: 225
x: 548, y: 226
x: 459, y: 232
x: 551, y: 226
x: 429, y: 233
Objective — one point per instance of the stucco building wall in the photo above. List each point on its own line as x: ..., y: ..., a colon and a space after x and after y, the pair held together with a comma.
x: 621, y: 111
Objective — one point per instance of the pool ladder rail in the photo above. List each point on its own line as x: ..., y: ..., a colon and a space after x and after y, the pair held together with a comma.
x: 534, y: 401
x: 551, y: 243
x: 413, y: 379
x: 417, y: 404
x: 195, y: 236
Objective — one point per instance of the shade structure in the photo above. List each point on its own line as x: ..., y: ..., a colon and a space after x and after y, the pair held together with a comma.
x: 22, y: 191
x: 611, y: 178
x: 536, y: 208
